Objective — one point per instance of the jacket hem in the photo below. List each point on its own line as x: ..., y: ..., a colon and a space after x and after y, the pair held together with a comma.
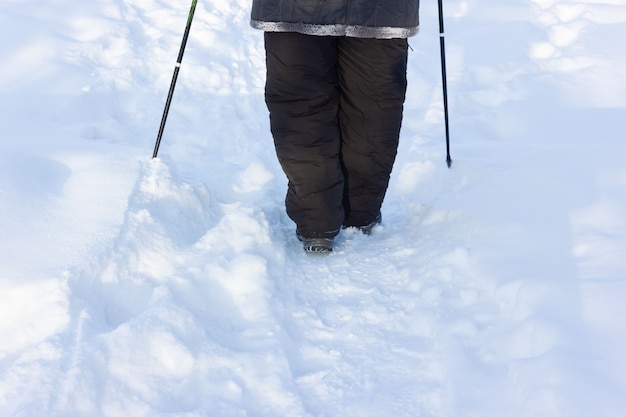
x: 354, y: 31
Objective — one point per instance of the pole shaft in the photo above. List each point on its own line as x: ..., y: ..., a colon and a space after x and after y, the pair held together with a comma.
x: 442, y: 45
x: 168, y: 102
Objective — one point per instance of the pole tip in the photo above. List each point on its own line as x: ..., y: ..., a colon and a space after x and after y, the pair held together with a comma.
x: 449, y: 161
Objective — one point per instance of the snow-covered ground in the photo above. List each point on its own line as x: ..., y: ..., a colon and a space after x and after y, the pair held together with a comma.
x: 176, y: 286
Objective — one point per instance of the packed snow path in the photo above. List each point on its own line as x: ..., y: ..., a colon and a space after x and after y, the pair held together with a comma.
x: 177, y: 287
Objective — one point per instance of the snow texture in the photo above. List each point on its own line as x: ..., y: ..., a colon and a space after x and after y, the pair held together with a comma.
x: 176, y: 286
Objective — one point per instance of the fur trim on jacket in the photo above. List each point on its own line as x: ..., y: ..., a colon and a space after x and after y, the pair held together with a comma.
x: 382, y: 19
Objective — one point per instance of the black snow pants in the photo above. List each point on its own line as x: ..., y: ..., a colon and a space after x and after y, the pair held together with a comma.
x: 335, y: 108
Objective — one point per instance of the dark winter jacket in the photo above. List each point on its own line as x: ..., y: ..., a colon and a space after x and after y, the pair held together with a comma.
x: 355, y: 18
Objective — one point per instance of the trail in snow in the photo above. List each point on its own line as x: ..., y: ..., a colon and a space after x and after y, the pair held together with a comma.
x: 176, y: 286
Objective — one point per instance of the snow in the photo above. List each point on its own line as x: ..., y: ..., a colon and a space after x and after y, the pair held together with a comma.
x: 176, y: 286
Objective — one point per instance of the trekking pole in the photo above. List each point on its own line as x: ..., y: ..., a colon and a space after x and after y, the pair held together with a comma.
x: 174, y: 78
x: 442, y: 44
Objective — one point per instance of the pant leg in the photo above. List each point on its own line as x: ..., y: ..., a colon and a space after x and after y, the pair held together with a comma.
x: 372, y: 78
x: 302, y: 97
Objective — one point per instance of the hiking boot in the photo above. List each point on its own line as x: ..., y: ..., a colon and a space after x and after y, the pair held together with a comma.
x: 367, y: 229
x: 316, y: 244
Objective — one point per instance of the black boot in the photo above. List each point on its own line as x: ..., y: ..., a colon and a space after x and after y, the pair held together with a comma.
x: 367, y: 229
x: 316, y: 244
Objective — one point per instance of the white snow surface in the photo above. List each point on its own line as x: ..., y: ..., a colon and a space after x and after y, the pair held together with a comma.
x: 176, y: 286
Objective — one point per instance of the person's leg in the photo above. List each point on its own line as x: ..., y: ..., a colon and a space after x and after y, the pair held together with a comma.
x: 372, y: 79
x: 302, y: 97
